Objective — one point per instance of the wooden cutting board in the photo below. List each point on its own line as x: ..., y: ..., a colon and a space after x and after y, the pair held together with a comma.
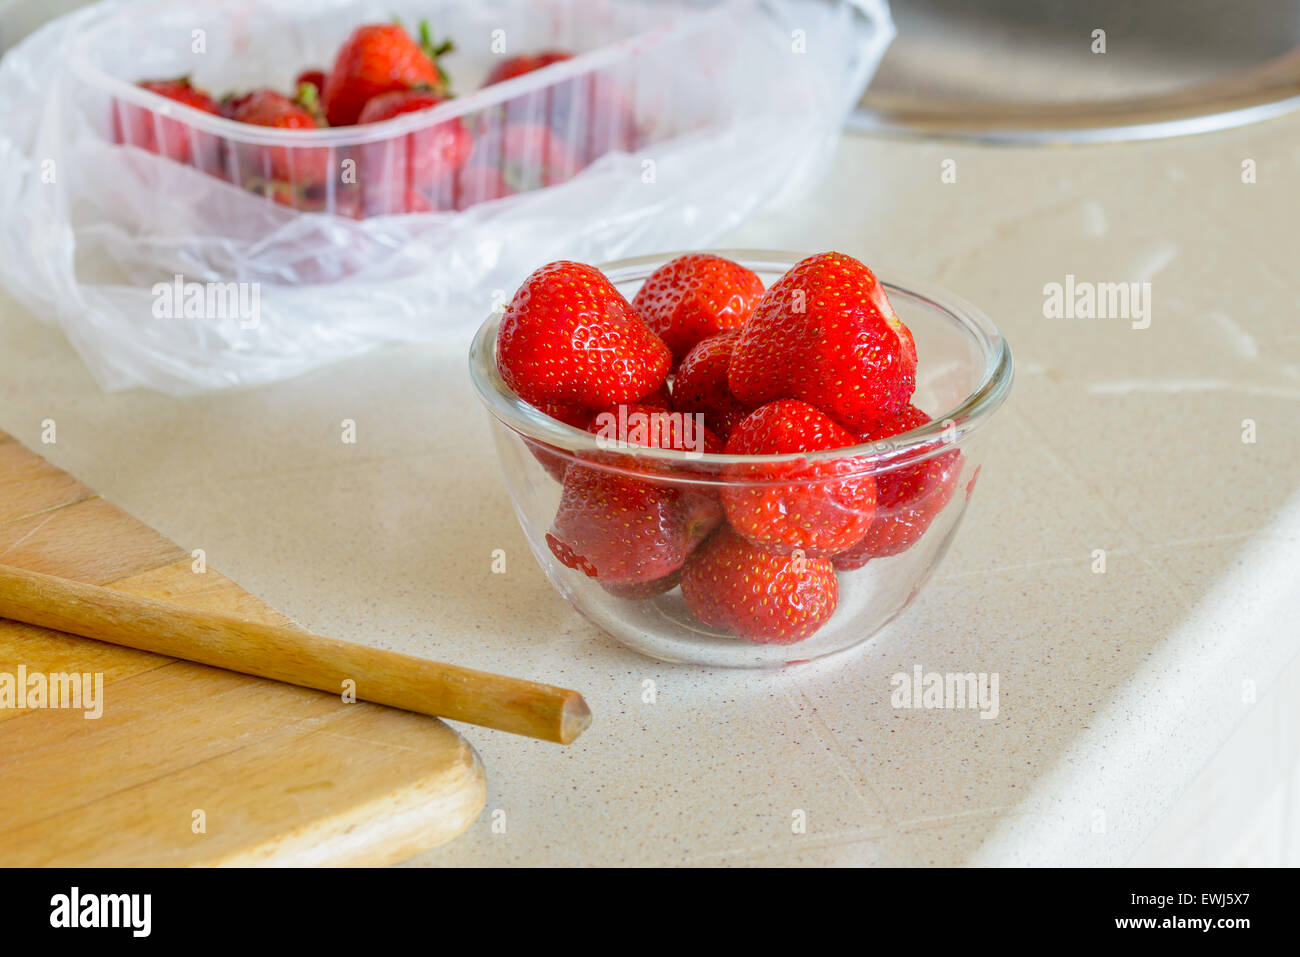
x: 190, y: 765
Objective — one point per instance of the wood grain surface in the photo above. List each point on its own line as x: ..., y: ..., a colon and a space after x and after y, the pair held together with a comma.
x: 274, y: 774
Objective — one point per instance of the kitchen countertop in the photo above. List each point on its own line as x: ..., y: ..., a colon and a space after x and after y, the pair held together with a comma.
x: 1118, y: 690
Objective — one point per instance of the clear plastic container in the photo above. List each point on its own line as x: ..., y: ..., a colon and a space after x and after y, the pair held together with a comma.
x: 643, y: 74
x: 963, y: 376
x: 675, y: 121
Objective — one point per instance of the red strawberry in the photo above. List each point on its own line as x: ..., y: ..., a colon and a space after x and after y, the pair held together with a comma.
x: 640, y: 591
x: 163, y: 135
x: 696, y: 296
x: 182, y: 91
x: 413, y: 201
x: 594, y: 114
x: 825, y: 333
x: 295, y: 170
x: 532, y: 156
x: 622, y: 528
x: 660, y: 398
x: 568, y: 557
x: 417, y: 173
x: 375, y: 59
x: 760, y: 595
x: 626, y: 529
x: 700, y: 384
x: 588, y: 112
x: 821, y: 508
x: 907, y: 499
x: 569, y: 336
x: 315, y: 77
x: 554, y: 460
x: 574, y: 415
x: 650, y: 427
x: 232, y: 102
x: 513, y: 158
x: 271, y: 108
x: 527, y: 155
x: 524, y: 63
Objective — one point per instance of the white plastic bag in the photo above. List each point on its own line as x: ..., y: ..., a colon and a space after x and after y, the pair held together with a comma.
x: 738, y: 104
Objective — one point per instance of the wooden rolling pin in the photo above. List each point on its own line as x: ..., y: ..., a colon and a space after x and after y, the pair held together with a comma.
x: 293, y: 656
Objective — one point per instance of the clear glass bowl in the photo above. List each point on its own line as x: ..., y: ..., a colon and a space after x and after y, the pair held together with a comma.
x: 964, y: 373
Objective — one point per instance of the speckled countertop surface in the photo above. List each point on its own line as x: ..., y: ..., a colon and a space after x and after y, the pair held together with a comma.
x: 1116, y: 688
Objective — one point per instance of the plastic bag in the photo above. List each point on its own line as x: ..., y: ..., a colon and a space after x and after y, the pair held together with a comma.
x: 167, y: 276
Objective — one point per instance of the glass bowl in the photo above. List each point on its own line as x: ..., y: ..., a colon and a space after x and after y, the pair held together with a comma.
x: 964, y: 373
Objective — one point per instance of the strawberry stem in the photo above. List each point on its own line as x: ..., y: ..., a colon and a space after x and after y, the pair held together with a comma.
x: 434, y: 51
x: 426, y: 42
x: 309, y: 99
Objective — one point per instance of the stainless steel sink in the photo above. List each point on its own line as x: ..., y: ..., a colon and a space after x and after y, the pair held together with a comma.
x: 1025, y: 70
x: 18, y: 18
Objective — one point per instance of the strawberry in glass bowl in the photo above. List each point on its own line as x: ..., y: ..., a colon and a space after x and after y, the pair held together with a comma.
x: 763, y: 476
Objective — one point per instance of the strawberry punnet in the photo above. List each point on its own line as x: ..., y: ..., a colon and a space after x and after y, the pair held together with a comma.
x: 696, y: 296
x: 589, y: 113
x: 763, y: 596
x: 163, y: 135
x: 819, y: 507
x: 377, y: 58
x: 418, y: 172
x: 515, y: 158
x: 569, y: 336
x: 515, y: 66
x: 291, y: 174
x: 826, y: 333
x: 700, y: 384
x: 907, y: 498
